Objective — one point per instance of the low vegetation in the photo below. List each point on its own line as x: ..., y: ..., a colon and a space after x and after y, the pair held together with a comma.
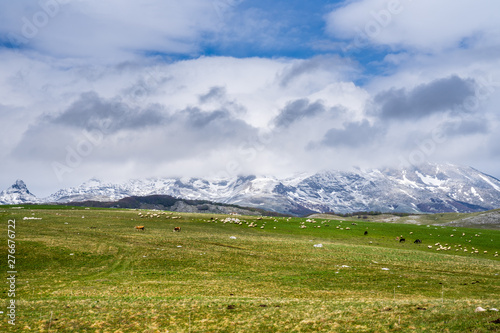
x: 91, y: 270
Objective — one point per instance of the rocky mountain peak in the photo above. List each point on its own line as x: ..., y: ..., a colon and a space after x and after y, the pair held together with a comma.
x: 19, y: 186
x: 17, y: 193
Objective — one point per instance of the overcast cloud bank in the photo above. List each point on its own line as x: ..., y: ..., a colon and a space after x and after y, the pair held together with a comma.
x: 122, y: 90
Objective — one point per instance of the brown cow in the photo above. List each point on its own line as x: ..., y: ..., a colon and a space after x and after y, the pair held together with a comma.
x: 177, y: 229
x: 139, y: 227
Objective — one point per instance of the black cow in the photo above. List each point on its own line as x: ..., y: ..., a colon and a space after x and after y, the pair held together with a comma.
x: 366, y: 233
x: 402, y: 240
x: 417, y: 241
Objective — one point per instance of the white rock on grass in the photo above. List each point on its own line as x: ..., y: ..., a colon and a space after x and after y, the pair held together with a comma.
x: 318, y: 245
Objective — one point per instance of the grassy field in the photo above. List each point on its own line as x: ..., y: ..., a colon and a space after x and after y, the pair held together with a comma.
x: 441, y: 218
x: 90, y: 270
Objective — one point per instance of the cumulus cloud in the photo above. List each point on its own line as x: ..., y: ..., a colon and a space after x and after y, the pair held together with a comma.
x: 215, y: 93
x: 144, y: 85
x: 297, y: 110
x: 423, y: 25
x: 465, y: 127
x: 92, y: 112
x: 353, y: 135
x: 318, y: 67
x: 216, y: 123
x: 440, y: 95
x: 112, y: 119
x: 109, y: 30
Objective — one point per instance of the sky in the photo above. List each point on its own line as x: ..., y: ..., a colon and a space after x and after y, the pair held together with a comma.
x: 120, y: 90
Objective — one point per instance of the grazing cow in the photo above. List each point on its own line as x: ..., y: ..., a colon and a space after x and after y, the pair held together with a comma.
x: 139, y: 227
x: 417, y: 241
x: 402, y: 240
x: 366, y: 233
x: 177, y: 229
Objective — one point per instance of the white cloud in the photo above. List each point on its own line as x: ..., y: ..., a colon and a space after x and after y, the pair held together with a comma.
x: 110, y: 30
x: 160, y: 114
x: 423, y: 25
x: 213, y: 115
x: 204, y: 116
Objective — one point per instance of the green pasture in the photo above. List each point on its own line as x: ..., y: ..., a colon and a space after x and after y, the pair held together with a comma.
x: 90, y: 270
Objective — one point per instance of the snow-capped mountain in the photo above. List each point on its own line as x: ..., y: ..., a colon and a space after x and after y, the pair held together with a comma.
x: 16, y: 194
x: 428, y: 188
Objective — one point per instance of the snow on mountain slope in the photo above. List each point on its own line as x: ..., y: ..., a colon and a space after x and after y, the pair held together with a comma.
x: 427, y: 188
x: 18, y: 193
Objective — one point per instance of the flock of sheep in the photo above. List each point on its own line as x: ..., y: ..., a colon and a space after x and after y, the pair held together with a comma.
x: 459, y: 247
x: 235, y: 220
x: 302, y: 225
x: 167, y: 215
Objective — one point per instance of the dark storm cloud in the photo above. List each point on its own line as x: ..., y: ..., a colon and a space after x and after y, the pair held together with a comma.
x: 298, y: 110
x: 353, y: 135
x: 93, y: 112
x: 437, y: 96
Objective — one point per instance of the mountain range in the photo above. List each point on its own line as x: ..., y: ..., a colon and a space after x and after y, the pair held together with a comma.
x: 427, y: 188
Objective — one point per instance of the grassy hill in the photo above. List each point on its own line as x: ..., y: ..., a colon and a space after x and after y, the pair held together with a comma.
x: 90, y: 270
x: 167, y: 202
